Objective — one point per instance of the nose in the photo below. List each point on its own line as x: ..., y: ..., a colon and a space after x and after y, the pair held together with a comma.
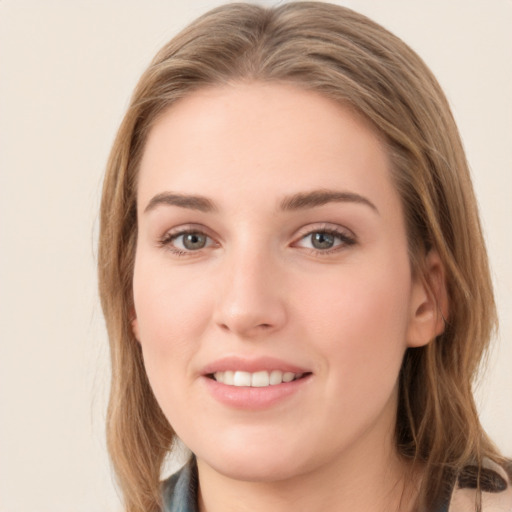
x: 250, y: 301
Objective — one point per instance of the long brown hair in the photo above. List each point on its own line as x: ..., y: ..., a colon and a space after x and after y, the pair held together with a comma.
x: 349, y: 58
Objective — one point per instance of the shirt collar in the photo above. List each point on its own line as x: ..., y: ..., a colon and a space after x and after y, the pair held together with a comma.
x: 179, y: 491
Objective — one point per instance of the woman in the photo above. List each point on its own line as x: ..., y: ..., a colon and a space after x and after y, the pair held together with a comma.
x: 293, y: 275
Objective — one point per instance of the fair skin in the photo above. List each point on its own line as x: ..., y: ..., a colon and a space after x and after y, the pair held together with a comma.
x: 271, y: 239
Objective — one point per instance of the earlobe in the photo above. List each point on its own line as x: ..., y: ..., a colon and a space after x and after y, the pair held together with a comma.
x: 135, y: 327
x: 429, y: 302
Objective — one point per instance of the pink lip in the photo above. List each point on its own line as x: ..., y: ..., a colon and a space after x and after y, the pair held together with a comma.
x: 251, y: 365
x: 254, y: 398
x: 250, y: 398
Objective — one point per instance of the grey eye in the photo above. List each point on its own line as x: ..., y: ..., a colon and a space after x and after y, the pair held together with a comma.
x: 322, y: 240
x: 194, y: 241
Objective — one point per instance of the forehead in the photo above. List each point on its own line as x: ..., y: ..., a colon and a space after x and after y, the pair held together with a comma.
x: 257, y: 140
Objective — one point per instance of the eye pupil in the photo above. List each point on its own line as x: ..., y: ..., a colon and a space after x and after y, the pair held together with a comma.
x: 322, y: 240
x: 193, y: 241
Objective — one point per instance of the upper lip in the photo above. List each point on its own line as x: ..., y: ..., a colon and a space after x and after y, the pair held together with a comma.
x: 251, y: 365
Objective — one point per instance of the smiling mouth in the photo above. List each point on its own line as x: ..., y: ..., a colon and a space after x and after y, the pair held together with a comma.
x: 259, y: 379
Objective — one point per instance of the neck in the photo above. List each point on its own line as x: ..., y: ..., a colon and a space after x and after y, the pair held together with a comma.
x: 374, y: 479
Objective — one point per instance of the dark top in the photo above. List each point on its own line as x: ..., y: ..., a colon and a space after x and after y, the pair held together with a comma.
x: 179, y: 491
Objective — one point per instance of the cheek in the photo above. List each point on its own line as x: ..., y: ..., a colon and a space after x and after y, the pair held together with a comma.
x: 360, y: 322
x: 172, y: 310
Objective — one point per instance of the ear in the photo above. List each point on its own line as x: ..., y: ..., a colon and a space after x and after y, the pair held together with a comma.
x: 429, y: 302
x: 135, y: 325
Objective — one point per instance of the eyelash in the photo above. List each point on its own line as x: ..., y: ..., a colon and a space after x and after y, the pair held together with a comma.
x: 168, y: 238
x: 345, y: 239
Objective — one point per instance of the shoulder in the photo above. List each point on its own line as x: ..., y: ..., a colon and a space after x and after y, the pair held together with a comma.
x: 179, y: 491
x: 496, y: 493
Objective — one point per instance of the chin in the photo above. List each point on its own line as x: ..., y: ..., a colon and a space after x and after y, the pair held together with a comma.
x: 260, y: 462
x: 261, y: 470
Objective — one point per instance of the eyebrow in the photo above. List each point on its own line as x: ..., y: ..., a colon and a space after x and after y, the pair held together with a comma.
x: 321, y: 197
x: 192, y: 202
x: 299, y: 201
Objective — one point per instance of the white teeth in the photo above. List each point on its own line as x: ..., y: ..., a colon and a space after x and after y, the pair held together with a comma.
x: 242, y: 379
x: 257, y: 379
x: 260, y: 380
x: 288, y: 376
x: 276, y: 377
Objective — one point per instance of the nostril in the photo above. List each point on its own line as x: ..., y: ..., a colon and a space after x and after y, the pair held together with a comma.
x: 249, y: 320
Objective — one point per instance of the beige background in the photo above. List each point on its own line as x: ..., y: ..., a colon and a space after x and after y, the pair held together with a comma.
x: 67, y: 68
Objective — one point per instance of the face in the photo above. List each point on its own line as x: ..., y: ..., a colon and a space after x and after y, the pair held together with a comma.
x: 272, y: 286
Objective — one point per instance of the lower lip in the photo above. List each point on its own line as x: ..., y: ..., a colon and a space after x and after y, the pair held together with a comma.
x: 242, y: 397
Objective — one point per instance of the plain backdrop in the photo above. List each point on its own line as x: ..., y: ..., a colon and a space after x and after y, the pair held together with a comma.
x: 67, y: 69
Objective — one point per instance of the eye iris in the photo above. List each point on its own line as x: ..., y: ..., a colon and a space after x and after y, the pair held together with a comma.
x: 194, y: 241
x: 322, y: 240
